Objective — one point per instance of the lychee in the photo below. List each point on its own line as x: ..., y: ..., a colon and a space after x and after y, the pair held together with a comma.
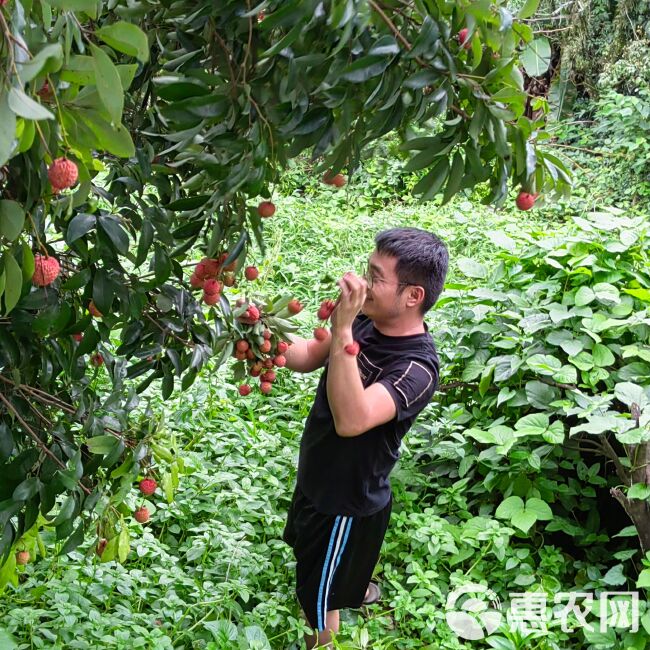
x: 211, y: 298
x: 250, y: 355
x: 244, y: 389
x: 268, y: 363
x: 280, y: 360
x: 63, y: 173
x: 266, y: 387
x: 93, y: 310
x: 212, y: 286
x: 352, y: 348
x: 46, y: 270
x: 196, y: 282
x: 255, y: 371
x: 462, y: 38
x: 325, y: 310
x: 282, y: 347
x: 320, y: 333
x: 338, y: 180
x: 78, y: 337
x: 229, y: 279
x: 200, y: 271
x: 266, y: 209
x: 97, y: 359
x: 525, y: 200
x: 22, y: 557
x: 240, y: 356
x: 211, y: 267
x: 251, y: 272
x: 294, y: 306
x: 266, y: 346
x: 242, y: 345
x: 267, y: 334
x: 148, y: 486
x: 141, y: 515
x: 269, y: 376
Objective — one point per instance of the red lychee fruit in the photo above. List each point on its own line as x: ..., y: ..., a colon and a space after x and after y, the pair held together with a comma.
x: 250, y: 355
x: 97, y: 359
x: 260, y: 16
x: 254, y: 371
x: 462, y: 38
x: 63, y: 173
x: 93, y: 310
x: 240, y: 356
x: 244, y: 390
x: 320, y: 333
x: 78, y: 337
x: 268, y: 363
x: 196, y: 282
x: 266, y: 387
x: 338, y: 180
x: 242, y: 345
x: 199, y: 270
x: 46, y: 270
x: 229, y: 279
x: 22, y: 557
x: 525, y: 201
x: 325, y: 310
x: 141, y: 515
x: 267, y: 334
x: 352, y: 348
x: 211, y: 267
x: 148, y: 486
x: 269, y: 376
x: 294, y: 306
x: 280, y: 360
x: 251, y: 316
x: 211, y: 298
x: 212, y: 287
x: 45, y: 91
x: 266, y: 209
x: 251, y: 273
x: 266, y: 346
x: 101, y: 546
x: 282, y: 347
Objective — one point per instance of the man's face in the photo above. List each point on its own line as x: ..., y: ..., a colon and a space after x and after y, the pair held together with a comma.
x: 383, y: 299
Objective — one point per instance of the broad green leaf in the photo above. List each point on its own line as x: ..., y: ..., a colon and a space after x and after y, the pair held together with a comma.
x: 639, y: 491
x: 528, y: 9
x: 641, y: 294
x: 584, y: 295
x: 8, y: 130
x: 108, y: 83
x: 602, y: 356
x: 630, y: 393
x: 509, y: 507
x: 23, y: 105
x: 536, y: 56
x: 113, y: 228
x: 125, y: 37
x: 540, y: 508
x: 566, y: 375
x: 27, y: 489
x: 13, y: 281
x: 544, y: 364
x: 79, y: 226
x: 12, y: 219
x: 532, y: 425
x: 123, y: 544
x: 46, y: 60
x: 472, y: 268
x: 102, y: 444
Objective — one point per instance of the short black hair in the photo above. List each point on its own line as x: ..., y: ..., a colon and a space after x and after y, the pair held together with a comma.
x: 422, y: 259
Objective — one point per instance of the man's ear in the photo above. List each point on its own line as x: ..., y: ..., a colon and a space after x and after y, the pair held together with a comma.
x: 415, y: 296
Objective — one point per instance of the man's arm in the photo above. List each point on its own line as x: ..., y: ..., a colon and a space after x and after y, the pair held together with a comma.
x: 306, y: 355
x: 355, y: 409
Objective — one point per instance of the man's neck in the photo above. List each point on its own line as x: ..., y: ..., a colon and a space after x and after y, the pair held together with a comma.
x: 400, y: 328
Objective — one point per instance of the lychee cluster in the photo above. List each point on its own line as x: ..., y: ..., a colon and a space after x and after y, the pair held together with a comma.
x: 212, y: 276
x: 147, y: 487
x: 324, y: 312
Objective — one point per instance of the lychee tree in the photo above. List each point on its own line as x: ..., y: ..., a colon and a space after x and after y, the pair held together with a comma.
x: 138, y: 136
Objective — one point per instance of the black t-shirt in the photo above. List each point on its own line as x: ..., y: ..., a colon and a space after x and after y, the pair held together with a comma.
x: 349, y: 475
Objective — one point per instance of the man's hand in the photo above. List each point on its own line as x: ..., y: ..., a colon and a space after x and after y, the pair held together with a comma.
x: 350, y: 302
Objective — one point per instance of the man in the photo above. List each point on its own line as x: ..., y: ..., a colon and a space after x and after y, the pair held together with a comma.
x: 364, y: 406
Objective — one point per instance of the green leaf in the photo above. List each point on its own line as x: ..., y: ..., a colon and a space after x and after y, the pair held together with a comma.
x: 584, y: 295
x: 13, y: 281
x: 108, y: 82
x: 509, y: 507
x: 532, y: 425
x: 602, y: 356
x: 472, y: 268
x: 641, y: 294
x: 102, y: 444
x: 46, y: 60
x: 536, y: 57
x: 566, y: 375
x: 544, y: 364
x: 429, y: 185
x: 12, y: 219
x: 123, y: 546
x: 27, y: 489
x: 113, y: 228
x: 74, y: 540
x: 528, y: 9
x: 125, y: 37
x: 114, y: 139
x: 630, y: 393
x: 87, y: 6
x: 103, y: 291
x: 639, y: 491
x: 23, y: 105
x: 455, y: 178
x: 79, y: 225
x: 8, y: 130
x: 539, y: 508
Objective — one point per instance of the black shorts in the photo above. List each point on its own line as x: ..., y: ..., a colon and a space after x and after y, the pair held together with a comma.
x: 335, y: 556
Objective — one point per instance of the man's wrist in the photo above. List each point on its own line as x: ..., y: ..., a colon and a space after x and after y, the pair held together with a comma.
x: 341, y: 336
